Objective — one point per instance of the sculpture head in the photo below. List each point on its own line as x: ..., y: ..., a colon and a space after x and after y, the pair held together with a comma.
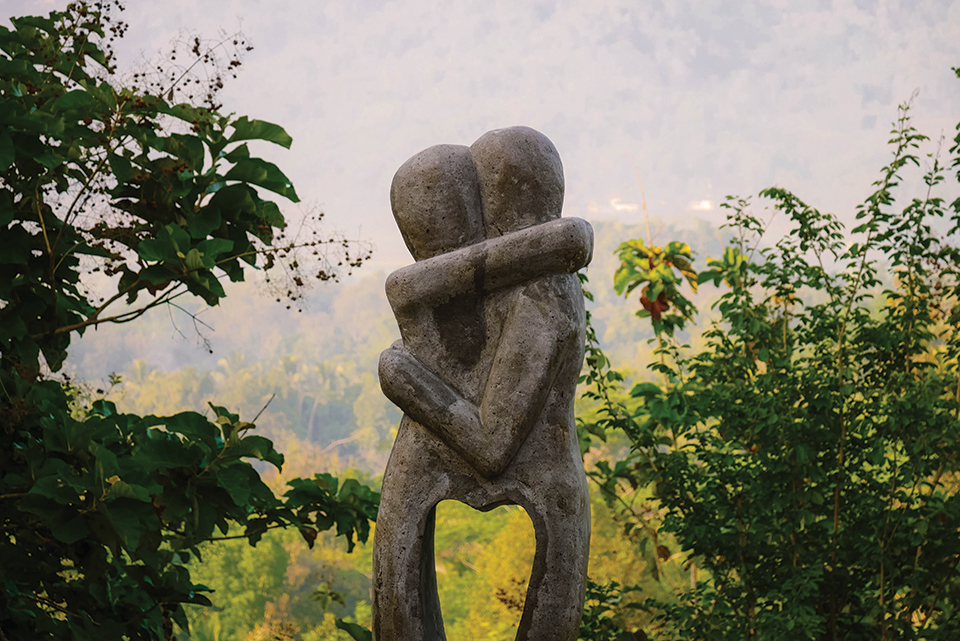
x: 435, y: 199
x: 521, y: 179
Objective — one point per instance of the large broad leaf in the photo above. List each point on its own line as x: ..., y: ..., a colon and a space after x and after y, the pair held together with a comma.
x: 240, y: 152
x: 121, y: 489
x: 78, y: 98
x: 205, y: 285
x: 68, y: 527
x: 237, y: 480
x: 188, y: 148
x: 170, y: 243
x: 156, y: 250
x: 263, y: 174
x: 195, y: 427
x: 45, y: 24
x: 271, y: 214
x: 121, y: 168
x: 211, y: 249
x: 17, y: 68
x: 245, y: 129
x: 183, y: 111
x: 262, y: 449
x: 127, y: 518
x: 624, y: 276
x: 203, y: 222
x: 234, y: 199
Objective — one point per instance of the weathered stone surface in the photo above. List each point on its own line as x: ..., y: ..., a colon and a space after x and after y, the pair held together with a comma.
x: 521, y: 178
x: 435, y: 196
x: 492, y: 336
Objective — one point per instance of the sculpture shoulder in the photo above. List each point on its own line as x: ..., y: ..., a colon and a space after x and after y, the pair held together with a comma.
x: 557, y: 247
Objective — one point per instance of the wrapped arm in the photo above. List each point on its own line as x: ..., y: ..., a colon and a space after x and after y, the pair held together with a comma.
x: 532, y: 348
x: 559, y: 246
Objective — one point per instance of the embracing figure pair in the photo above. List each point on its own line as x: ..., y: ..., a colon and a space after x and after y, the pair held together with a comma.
x: 491, y: 321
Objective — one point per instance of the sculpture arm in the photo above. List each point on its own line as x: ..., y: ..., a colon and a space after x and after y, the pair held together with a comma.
x: 430, y: 401
x: 559, y: 246
x: 535, y: 339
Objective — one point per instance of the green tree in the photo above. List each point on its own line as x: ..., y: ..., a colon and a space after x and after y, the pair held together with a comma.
x: 806, y: 457
x: 100, y: 511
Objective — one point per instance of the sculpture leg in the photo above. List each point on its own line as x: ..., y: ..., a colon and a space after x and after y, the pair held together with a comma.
x: 554, y: 601
x: 421, y: 472
x: 405, y: 601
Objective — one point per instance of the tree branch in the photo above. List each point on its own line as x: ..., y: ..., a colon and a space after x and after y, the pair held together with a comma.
x: 124, y: 317
x: 246, y: 536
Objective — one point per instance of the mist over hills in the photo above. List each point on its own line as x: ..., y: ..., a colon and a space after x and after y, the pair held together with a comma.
x: 319, y: 365
x: 350, y: 318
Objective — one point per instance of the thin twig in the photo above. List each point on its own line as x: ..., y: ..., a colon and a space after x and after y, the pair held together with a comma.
x: 339, y: 442
x: 246, y: 536
x: 269, y: 400
x: 199, y: 59
x: 124, y: 317
x: 195, y: 318
x: 83, y: 188
x: 43, y: 225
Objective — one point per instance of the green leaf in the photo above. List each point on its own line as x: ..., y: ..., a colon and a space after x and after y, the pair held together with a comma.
x: 271, y: 214
x: 68, y: 529
x: 122, y: 489
x: 206, y: 285
x: 234, y: 199
x: 237, y: 480
x: 178, y: 238
x: 171, y: 242
x: 126, y: 521
x: 241, y: 151
x: 121, y: 168
x: 156, y: 250
x: 645, y: 389
x: 212, y: 248
x: 183, y: 111
x: 56, y: 489
x: 263, y: 174
x: 76, y: 99
x: 245, y: 129
x: 7, y: 151
x: 262, y: 449
x: 195, y: 427
x: 709, y: 275
x: 187, y: 147
x: 624, y: 275
x: 596, y: 430
x: 357, y: 632
x: 205, y: 221
x: 17, y: 68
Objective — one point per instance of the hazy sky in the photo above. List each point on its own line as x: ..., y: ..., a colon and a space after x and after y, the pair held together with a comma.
x: 702, y: 99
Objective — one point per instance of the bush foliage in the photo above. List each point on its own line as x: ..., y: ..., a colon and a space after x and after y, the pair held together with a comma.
x: 100, y: 511
x: 805, y: 458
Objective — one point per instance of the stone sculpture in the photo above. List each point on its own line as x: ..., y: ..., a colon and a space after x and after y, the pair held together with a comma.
x: 491, y: 321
